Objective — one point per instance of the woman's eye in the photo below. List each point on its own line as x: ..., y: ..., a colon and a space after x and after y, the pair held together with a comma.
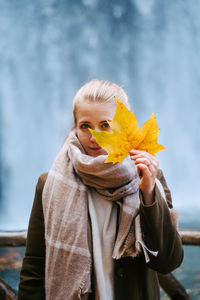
x: 105, y: 125
x: 84, y: 126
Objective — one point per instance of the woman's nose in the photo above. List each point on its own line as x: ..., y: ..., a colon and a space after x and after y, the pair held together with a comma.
x: 92, y: 139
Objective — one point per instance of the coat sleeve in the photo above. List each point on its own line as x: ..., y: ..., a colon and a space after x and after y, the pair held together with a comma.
x: 32, y: 276
x: 159, y: 231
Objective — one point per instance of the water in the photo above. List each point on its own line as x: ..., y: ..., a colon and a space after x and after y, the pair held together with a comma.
x: 10, y: 265
x: 48, y: 49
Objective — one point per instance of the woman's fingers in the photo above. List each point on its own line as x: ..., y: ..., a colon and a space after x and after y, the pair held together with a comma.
x: 137, y: 153
x: 144, y: 171
x: 151, y: 165
x: 147, y: 166
x: 145, y: 158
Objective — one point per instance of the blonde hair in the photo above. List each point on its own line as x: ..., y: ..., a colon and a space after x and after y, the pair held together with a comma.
x: 100, y: 91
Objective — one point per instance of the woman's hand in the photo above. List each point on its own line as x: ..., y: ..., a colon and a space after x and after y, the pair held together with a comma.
x: 147, y: 166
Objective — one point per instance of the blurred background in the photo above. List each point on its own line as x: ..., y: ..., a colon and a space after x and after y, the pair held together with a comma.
x: 48, y: 49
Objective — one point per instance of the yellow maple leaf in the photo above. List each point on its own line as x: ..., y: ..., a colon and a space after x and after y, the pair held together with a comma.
x: 126, y: 135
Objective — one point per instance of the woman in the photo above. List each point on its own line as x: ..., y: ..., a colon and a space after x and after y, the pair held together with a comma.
x: 97, y: 230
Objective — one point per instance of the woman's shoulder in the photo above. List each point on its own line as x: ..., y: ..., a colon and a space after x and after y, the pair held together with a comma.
x: 162, y: 179
x: 41, y: 181
x: 159, y: 174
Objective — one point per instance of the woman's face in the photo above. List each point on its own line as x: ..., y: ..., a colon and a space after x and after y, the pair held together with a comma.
x: 94, y: 116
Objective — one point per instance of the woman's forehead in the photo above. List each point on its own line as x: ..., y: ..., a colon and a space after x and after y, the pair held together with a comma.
x: 86, y: 111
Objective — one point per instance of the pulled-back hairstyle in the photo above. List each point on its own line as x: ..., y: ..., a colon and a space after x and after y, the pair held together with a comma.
x: 100, y: 91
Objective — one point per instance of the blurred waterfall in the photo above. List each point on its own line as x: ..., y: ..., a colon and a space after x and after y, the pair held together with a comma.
x: 48, y: 49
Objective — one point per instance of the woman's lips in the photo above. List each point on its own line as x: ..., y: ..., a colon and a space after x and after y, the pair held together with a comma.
x: 96, y: 149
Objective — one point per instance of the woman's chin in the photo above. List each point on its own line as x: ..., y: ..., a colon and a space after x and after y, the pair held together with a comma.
x: 96, y: 152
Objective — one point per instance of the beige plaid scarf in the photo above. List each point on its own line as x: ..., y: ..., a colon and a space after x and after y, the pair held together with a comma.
x: 65, y: 206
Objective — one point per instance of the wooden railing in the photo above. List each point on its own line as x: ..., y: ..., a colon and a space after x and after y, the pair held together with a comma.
x: 13, y: 238
x: 168, y: 282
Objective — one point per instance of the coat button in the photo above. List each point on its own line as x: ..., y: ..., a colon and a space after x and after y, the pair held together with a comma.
x: 120, y: 272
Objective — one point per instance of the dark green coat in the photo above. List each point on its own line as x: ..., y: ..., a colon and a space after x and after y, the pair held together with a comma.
x: 133, y: 278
